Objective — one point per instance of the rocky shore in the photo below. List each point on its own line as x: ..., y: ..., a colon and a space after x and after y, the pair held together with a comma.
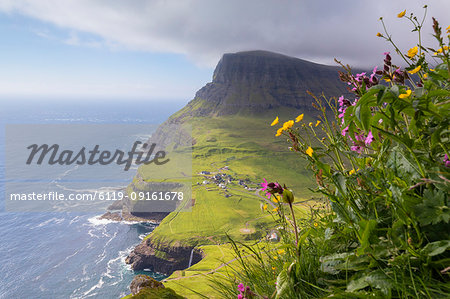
x: 162, y: 258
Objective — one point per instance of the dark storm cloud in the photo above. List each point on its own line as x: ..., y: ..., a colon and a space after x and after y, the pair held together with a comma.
x: 204, y: 30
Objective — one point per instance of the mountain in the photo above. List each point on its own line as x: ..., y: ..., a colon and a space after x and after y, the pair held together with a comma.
x: 255, y: 81
x: 226, y: 130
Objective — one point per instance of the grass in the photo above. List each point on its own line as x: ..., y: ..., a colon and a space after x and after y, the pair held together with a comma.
x: 250, y: 149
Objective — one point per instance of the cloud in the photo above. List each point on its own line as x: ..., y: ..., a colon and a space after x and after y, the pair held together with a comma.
x: 203, y: 30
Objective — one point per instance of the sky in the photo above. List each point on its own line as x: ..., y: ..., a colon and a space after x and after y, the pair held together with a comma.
x: 161, y: 49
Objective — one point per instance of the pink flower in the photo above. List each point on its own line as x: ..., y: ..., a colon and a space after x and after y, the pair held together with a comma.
x: 344, y: 131
x: 264, y: 185
x: 369, y: 139
x: 241, y: 287
x: 446, y: 161
x: 386, y: 53
x: 240, y: 296
x: 356, y: 148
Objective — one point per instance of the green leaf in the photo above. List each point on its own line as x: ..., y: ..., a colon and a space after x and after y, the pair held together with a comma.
x: 435, y: 248
x: 366, y: 227
x: 282, y: 284
x: 433, y: 209
x: 357, y: 284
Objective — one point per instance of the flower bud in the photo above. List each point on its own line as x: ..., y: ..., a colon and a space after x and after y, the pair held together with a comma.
x: 288, y: 196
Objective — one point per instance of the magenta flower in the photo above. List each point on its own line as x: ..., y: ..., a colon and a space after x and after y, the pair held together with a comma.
x: 264, y: 185
x: 369, y: 139
x: 241, y: 287
x: 344, y: 131
x: 386, y: 53
x: 356, y: 148
x: 446, y: 161
x: 240, y: 296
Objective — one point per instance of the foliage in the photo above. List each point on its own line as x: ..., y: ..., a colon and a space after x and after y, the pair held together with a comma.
x: 382, y: 165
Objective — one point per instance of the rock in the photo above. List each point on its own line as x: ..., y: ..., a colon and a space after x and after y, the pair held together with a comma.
x: 116, y: 205
x: 111, y: 216
x: 161, y: 258
x: 143, y: 281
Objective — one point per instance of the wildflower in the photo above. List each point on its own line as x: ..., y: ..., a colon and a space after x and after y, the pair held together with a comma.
x: 405, y: 95
x: 275, y: 198
x: 344, y: 131
x: 288, y: 124
x: 356, y: 148
x: 279, y: 132
x: 275, y: 257
x: 309, y: 151
x: 318, y: 123
x: 310, y: 124
x: 448, y: 29
x: 425, y: 75
x: 387, y: 80
x: 446, y: 161
x: 275, y: 209
x: 265, y: 186
x: 240, y: 296
x: 273, y: 268
x: 415, y: 70
x: 402, y: 14
x: 379, y: 34
x: 369, y: 139
x: 432, y: 70
x: 412, y: 52
x: 316, y: 224
x: 299, y: 118
x: 265, y: 207
x: 275, y: 121
x: 280, y: 251
x: 241, y: 287
x: 352, y: 171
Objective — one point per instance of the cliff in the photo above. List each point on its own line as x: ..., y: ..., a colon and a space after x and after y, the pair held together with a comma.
x: 228, y: 118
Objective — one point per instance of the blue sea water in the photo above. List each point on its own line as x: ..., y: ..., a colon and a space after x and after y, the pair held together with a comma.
x: 67, y: 254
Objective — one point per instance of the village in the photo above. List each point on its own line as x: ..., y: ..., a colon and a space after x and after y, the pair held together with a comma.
x: 223, y: 180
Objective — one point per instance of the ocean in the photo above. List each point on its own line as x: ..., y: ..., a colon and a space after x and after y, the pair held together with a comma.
x: 70, y: 254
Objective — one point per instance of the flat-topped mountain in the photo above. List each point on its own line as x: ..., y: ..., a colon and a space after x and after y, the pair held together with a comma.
x: 254, y: 81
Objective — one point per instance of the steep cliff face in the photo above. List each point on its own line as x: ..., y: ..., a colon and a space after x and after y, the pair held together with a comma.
x: 161, y: 258
x: 255, y: 81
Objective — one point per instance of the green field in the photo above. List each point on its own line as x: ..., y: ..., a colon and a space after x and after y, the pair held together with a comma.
x: 251, y: 152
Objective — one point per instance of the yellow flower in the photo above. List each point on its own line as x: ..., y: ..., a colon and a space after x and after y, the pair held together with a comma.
x: 310, y: 124
x: 318, y: 123
x: 279, y: 131
x: 275, y: 210
x: 273, y: 268
x: 351, y: 172
x: 405, y: 95
x: 299, y: 118
x: 432, y: 70
x: 275, y: 121
x: 415, y: 70
x: 265, y: 207
x: 387, y: 80
x: 280, y: 251
x: 275, y: 198
x: 309, y: 151
x: 379, y: 34
x: 412, y: 52
x: 425, y: 75
x: 402, y: 14
x: 288, y: 124
x: 275, y: 257
x: 316, y: 224
x: 448, y: 29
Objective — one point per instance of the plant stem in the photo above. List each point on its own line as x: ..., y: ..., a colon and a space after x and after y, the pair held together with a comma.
x: 295, y: 224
